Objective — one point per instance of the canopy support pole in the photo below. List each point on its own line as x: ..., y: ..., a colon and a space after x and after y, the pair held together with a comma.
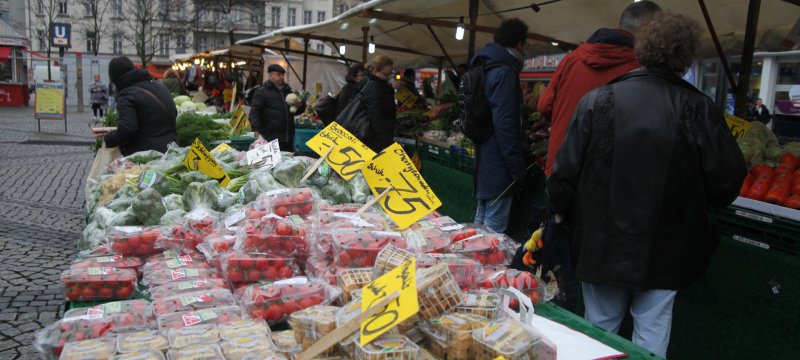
x: 444, y: 51
x: 341, y: 56
x: 357, y: 43
x: 722, y: 58
x: 286, y: 58
x: 364, y: 44
x: 305, y: 64
x: 753, y: 8
x: 277, y: 49
x: 440, y: 76
x: 473, y: 20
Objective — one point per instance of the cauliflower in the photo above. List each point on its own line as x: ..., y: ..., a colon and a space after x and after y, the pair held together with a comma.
x: 188, y: 106
x: 291, y: 100
x: 199, y: 105
x: 179, y: 100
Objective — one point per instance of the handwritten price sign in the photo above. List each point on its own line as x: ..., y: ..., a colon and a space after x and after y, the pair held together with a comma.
x: 409, y: 198
x: 348, y: 155
x: 739, y: 127
x: 201, y: 160
x: 403, y: 279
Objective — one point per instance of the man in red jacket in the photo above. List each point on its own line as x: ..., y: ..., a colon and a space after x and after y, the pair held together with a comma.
x: 606, y: 55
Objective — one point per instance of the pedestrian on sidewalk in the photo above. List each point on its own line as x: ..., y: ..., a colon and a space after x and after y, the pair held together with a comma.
x: 644, y: 159
x: 99, y: 97
x: 146, y: 110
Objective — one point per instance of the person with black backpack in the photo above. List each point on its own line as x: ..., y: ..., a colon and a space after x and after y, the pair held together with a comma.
x: 491, y: 100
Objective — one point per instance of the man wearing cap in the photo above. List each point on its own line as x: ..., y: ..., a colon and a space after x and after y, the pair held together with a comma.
x: 270, y: 116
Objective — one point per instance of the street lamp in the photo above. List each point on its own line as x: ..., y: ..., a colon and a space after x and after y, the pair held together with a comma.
x: 371, y: 44
x: 460, y: 29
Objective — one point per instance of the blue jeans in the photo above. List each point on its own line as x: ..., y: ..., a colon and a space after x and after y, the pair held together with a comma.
x: 495, y: 216
x: 651, y: 311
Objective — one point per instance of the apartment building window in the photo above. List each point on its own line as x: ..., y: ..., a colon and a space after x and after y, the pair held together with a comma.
x: 62, y: 7
x: 321, y: 48
x: 91, y: 42
x: 306, y: 17
x: 41, y: 36
x: 180, y: 44
x: 276, y: 17
x: 39, y: 7
x: 292, y: 19
x: 202, y: 43
x: 181, y: 13
x: 116, y: 43
x: 238, y: 15
x: 116, y: 8
x: 320, y: 16
x: 220, y: 43
x: 91, y: 8
x: 163, y: 9
x: 163, y: 45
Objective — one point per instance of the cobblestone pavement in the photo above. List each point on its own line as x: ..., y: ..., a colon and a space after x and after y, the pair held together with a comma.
x: 42, y: 175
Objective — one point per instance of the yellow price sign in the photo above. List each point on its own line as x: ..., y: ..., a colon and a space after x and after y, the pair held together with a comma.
x: 348, y: 155
x: 408, y: 197
x: 220, y: 148
x: 739, y: 127
x: 239, y: 120
x: 201, y: 160
x: 406, y: 97
x: 403, y: 280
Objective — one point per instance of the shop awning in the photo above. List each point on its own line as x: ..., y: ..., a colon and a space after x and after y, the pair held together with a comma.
x: 421, y: 31
x: 5, y: 52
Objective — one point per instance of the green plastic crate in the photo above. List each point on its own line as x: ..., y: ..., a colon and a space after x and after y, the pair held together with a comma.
x: 301, y: 136
x: 433, y: 153
x: 758, y: 229
x: 242, y: 143
x: 463, y: 162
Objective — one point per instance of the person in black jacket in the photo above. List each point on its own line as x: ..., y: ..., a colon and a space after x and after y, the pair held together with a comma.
x: 378, y: 102
x: 644, y: 159
x: 354, y: 78
x: 270, y: 116
x: 146, y: 110
x: 761, y: 112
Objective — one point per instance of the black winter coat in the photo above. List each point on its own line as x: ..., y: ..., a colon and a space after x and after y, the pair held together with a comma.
x: 346, y: 95
x: 378, y: 101
x: 146, y: 114
x: 270, y: 115
x: 644, y: 159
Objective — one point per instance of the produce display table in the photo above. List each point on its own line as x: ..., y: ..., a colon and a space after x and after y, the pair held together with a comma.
x: 575, y: 322
x: 760, y: 224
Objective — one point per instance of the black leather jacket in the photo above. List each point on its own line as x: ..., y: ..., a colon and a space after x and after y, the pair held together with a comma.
x: 644, y: 159
x: 270, y: 115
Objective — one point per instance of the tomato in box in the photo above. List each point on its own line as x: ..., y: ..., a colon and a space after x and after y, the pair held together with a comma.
x: 283, y: 238
x: 360, y: 248
x: 242, y: 268
x: 213, y: 315
x: 464, y: 270
x: 275, y: 302
x: 114, y: 261
x: 135, y: 240
x: 183, y: 287
x: 193, y: 301
x: 98, y: 283
x: 488, y: 249
x: 288, y: 202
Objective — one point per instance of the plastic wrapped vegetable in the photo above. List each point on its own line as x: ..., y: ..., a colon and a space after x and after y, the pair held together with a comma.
x: 152, y: 179
x: 122, y: 199
x: 91, y: 236
x: 199, y: 196
x: 193, y: 176
x: 143, y: 157
x: 265, y: 180
x: 359, y: 190
x: 289, y: 172
x: 107, y: 218
x: 172, y: 217
x: 148, y: 207
x: 320, y: 177
x: 173, y: 202
x: 337, y: 191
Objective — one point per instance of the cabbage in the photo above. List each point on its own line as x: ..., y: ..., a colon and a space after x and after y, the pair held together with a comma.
x: 179, y: 100
x: 199, y: 105
x: 188, y: 106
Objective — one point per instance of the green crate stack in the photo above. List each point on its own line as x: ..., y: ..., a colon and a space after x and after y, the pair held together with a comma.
x: 463, y: 162
x: 242, y: 143
x: 436, y: 154
x: 301, y: 136
x: 758, y: 229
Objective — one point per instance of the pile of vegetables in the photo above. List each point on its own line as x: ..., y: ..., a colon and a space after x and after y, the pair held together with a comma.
x: 151, y: 188
x: 110, y: 120
x: 185, y: 104
x: 204, y: 127
x: 779, y: 185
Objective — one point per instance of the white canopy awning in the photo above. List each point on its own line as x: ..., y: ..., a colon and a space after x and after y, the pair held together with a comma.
x: 396, y: 29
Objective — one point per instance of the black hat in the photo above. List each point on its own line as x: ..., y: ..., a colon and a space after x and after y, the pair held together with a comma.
x: 276, y: 68
x: 118, y: 66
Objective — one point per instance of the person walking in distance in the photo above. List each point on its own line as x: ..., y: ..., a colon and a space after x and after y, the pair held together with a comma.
x: 270, y: 116
x: 99, y: 97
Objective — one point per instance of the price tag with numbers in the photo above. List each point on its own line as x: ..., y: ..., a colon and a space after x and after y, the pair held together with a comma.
x: 408, y: 198
x: 267, y: 155
x: 348, y: 155
x: 201, y: 160
x: 401, y: 279
x: 739, y: 127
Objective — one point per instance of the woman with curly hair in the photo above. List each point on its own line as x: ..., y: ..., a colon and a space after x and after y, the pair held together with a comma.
x: 643, y: 160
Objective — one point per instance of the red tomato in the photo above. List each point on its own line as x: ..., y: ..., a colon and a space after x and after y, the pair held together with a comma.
x: 87, y: 293
x: 271, y: 273
x: 285, y: 273
x: 105, y: 293
x: 535, y: 297
x: 306, y: 303
x: 73, y: 293
x: 290, y: 306
x: 253, y: 276
x: 274, y: 312
x: 281, y: 211
x: 124, y: 292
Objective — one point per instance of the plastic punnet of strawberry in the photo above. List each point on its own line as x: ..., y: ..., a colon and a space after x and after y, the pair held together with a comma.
x: 197, y: 300
x: 488, y: 249
x: 137, y: 240
x: 240, y: 268
x: 217, y: 244
x: 523, y: 281
x: 360, y: 248
x: 276, y: 301
x: 197, y: 224
x: 270, y: 235
x: 98, y: 283
x: 214, y: 315
x: 326, y: 222
x: 184, y: 287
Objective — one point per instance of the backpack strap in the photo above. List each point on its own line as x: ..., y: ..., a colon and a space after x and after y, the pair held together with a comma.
x: 151, y: 95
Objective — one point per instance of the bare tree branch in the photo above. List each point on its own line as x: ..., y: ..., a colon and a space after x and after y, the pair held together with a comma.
x: 145, y: 22
x: 93, y: 24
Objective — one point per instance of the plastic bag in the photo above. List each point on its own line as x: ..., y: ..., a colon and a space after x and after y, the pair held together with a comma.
x: 321, y: 176
x: 289, y: 172
x: 337, y: 191
x: 148, y: 207
x: 173, y: 202
x: 192, y: 177
x: 106, y: 218
x: 152, y: 179
x: 359, y: 189
x: 143, y: 157
x: 199, y: 196
x: 173, y: 217
x: 91, y: 237
x: 122, y: 199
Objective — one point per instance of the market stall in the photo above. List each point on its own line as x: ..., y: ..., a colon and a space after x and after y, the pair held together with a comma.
x: 13, y: 68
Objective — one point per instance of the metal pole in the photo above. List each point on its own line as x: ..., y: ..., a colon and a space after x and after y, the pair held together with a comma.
x: 473, y: 20
x: 440, y: 77
x: 717, y: 45
x: 305, y: 64
x: 64, y: 77
x: 364, y: 44
x: 79, y: 80
x: 747, y: 57
x: 444, y: 51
